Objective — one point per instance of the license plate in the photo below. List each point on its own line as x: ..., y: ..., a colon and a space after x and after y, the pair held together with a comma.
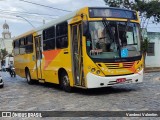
x: 120, y: 80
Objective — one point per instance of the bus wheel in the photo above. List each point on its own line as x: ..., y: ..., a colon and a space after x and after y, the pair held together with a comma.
x: 28, y: 77
x: 65, y: 84
x: 1, y: 86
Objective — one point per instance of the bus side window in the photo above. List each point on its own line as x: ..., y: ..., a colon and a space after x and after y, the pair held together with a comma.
x: 29, y: 44
x: 16, y: 47
x: 62, y: 35
x: 49, y: 38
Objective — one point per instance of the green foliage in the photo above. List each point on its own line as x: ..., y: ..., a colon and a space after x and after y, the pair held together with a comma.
x: 144, y: 45
x: 118, y: 3
x: 113, y: 3
x: 3, y: 53
x: 149, y: 9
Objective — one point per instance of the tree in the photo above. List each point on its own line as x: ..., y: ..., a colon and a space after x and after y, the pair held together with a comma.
x: 3, y: 53
x: 118, y: 3
x: 144, y: 47
x: 146, y: 11
x: 113, y: 3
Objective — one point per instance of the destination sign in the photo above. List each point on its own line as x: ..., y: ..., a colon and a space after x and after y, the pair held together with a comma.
x: 112, y: 13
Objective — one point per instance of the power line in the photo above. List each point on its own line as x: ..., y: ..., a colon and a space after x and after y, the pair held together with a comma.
x: 28, y: 16
x: 27, y: 21
x: 7, y: 11
x: 11, y: 17
x: 45, y: 6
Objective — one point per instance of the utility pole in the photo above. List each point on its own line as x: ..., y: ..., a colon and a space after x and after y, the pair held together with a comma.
x: 43, y: 21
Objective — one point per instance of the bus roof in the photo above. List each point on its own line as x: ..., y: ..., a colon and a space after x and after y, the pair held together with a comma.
x: 51, y: 23
x: 62, y: 19
x: 58, y: 20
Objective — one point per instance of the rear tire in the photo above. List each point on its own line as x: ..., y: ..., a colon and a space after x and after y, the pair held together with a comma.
x: 1, y: 86
x: 28, y: 77
x: 65, y: 82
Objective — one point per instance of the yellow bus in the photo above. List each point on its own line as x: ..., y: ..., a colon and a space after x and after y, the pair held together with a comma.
x: 90, y: 48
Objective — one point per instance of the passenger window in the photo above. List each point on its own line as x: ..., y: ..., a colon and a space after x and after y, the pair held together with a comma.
x: 49, y: 39
x: 29, y: 44
x: 62, y: 35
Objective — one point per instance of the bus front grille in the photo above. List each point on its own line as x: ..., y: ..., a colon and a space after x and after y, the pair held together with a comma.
x: 119, y: 65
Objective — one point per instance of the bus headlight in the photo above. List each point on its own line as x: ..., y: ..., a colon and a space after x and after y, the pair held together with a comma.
x: 98, y: 72
x: 140, y: 67
x: 93, y: 70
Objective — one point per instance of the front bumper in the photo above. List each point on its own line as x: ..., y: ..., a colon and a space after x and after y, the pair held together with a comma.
x: 94, y: 81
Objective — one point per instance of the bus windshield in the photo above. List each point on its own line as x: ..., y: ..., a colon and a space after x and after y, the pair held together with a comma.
x: 113, y: 40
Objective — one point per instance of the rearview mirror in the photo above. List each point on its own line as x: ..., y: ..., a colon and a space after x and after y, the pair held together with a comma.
x: 85, y: 28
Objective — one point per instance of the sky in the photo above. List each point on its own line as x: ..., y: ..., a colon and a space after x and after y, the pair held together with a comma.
x: 18, y: 12
x: 10, y: 9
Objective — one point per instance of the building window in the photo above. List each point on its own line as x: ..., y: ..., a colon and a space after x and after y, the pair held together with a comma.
x: 49, y: 39
x: 150, y: 51
x: 62, y: 35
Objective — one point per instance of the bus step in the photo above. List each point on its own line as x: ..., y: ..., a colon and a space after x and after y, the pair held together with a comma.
x: 80, y: 86
x: 41, y: 81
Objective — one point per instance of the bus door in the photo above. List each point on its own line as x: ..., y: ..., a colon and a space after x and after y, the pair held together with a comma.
x: 38, y: 55
x: 77, y: 56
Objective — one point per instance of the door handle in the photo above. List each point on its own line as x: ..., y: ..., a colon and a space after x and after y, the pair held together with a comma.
x: 65, y: 52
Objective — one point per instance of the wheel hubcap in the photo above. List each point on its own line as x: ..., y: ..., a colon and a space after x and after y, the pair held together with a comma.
x: 28, y: 77
x: 65, y: 81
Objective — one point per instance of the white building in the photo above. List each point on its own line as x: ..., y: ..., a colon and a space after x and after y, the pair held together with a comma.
x: 153, y: 53
x: 6, y: 40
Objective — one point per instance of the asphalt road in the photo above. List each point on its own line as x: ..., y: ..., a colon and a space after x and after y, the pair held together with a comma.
x: 18, y: 95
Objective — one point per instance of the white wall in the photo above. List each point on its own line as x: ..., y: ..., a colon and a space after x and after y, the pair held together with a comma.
x: 6, y: 43
x: 154, y: 61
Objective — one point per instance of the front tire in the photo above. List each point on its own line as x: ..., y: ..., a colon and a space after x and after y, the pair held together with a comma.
x: 65, y: 82
x: 28, y: 77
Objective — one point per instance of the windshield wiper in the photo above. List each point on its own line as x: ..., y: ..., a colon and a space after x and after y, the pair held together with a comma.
x: 127, y: 24
x: 107, y: 26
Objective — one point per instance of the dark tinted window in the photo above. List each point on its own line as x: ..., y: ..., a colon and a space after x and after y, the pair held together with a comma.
x: 29, y: 39
x: 22, y: 40
x: 62, y: 35
x: 16, y: 47
x: 29, y: 44
x: 22, y: 45
x: 49, y: 38
x: 17, y: 44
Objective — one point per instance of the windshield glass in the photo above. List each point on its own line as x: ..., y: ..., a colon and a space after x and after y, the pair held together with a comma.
x: 113, y: 40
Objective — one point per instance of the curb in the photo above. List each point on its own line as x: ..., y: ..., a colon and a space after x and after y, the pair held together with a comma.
x: 148, y: 70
